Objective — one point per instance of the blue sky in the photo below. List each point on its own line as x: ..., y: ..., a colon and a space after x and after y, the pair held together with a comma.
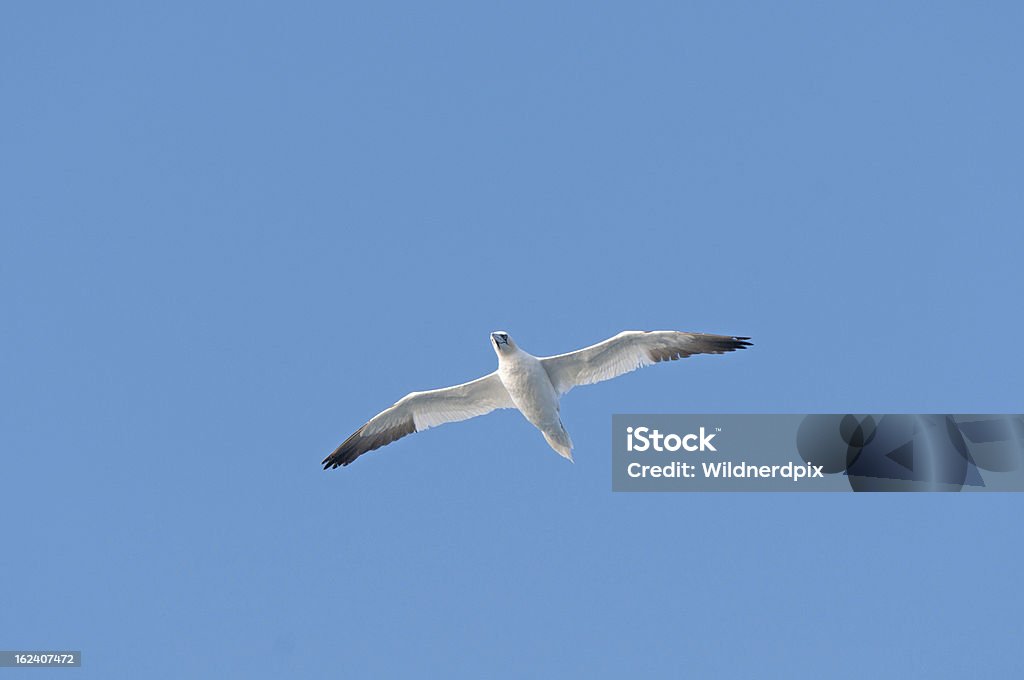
x: 232, y: 232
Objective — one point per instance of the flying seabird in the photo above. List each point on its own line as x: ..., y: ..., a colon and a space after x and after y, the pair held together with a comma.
x: 531, y: 384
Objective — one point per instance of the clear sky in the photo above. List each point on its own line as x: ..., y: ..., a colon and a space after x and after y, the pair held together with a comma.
x: 232, y: 232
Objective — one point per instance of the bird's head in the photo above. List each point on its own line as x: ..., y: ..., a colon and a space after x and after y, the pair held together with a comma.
x: 502, y: 342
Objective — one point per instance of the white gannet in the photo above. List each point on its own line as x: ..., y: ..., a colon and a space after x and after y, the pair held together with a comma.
x: 528, y: 383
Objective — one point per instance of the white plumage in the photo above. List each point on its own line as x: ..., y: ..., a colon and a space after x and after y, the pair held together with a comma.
x: 531, y: 384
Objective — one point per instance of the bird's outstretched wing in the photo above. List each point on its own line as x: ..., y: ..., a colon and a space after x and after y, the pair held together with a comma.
x: 630, y: 350
x: 418, y: 411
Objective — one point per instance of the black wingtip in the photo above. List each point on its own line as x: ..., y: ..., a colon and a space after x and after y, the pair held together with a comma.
x: 360, y: 442
x: 339, y: 458
x: 723, y: 344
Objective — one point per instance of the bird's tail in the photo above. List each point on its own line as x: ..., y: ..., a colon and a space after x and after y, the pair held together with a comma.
x: 559, y: 440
